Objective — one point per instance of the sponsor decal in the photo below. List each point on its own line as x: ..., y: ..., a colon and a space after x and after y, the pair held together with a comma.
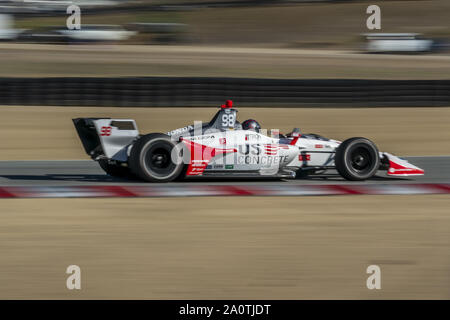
x: 252, y: 137
x: 210, y: 137
x: 318, y: 146
x: 271, y: 150
x: 198, y: 164
x: 222, y: 140
x: 257, y: 149
x: 250, y: 149
x: 262, y: 160
x: 229, y: 166
x: 105, y: 131
x: 180, y: 130
x: 218, y: 166
x: 304, y: 157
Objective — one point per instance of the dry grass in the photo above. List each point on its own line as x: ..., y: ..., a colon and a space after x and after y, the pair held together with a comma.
x: 218, y: 248
x: 24, y: 60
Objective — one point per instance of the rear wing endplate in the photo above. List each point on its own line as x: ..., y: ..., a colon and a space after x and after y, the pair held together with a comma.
x: 106, y: 137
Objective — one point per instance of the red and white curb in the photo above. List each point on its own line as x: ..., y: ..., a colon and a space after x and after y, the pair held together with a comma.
x: 219, y: 190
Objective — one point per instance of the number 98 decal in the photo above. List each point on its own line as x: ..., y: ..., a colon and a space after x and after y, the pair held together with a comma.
x: 228, y: 120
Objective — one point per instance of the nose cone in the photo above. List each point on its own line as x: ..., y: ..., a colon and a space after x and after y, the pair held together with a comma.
x: 401, y: 167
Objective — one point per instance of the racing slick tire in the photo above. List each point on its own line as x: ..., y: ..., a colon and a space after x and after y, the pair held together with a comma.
x: 357, y: 159
x: 151, y: 158
x: 115, y: 170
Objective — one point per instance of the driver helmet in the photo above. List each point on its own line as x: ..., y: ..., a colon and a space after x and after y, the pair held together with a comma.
x: 251, y: 124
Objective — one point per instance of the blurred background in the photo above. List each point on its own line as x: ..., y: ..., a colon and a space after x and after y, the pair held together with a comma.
x: 315, y: 61
x: 209, y: 38
x: 218, y: 39
x: 263, y: 23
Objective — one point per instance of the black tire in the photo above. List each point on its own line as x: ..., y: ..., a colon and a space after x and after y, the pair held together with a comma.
x: 183, y: 172
x: 150, y: 158
x: 114, y: 170
x: 357, y: 159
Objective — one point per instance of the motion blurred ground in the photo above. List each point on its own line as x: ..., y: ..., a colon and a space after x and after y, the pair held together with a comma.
x: 31, y: 60
x: 216, y: 248
x: 45, y: 133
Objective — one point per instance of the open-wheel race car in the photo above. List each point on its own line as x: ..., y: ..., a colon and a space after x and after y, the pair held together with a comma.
x: 224, y: 147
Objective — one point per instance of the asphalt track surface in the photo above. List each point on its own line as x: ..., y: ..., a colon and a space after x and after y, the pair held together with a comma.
x: 86, y: 172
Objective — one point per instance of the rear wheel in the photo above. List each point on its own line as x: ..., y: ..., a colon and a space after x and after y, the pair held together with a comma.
x: 151, y: 158
x: 357, y: 159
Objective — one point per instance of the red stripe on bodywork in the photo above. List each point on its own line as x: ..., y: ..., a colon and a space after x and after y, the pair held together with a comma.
x: 202, y: 154
x: 397, y: 169
x: 294, y: 141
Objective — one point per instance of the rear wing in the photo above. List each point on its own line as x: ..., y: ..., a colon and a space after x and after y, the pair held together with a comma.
x: 106, y: 137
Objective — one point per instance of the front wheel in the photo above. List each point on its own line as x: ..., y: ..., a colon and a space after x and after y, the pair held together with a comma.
x: 357, y: 159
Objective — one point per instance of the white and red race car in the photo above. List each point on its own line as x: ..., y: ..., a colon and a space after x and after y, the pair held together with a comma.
x: 226, y: 148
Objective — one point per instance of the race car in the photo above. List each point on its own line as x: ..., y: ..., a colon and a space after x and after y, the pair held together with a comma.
x: 224, y: 147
